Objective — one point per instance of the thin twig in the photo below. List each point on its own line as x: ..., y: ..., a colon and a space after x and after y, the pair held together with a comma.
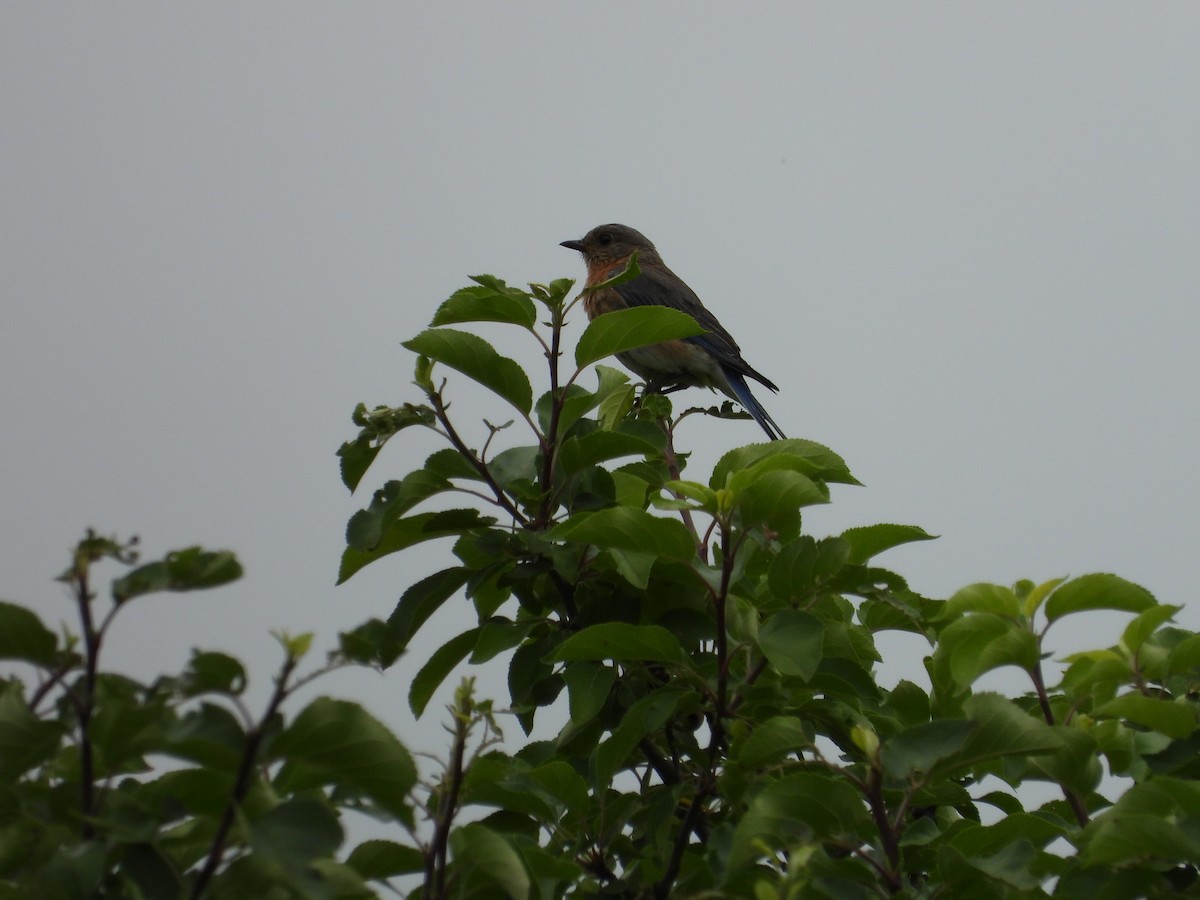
x: 86, y: 705
x: 1078, y: 806
x: 501, y: 498
x: 887, y: 834
x: 740, y: 697
x: 550, y: 440
x: 666, y: 770
x: 435, y: 857
x: 672, y: 461
x: 241, y: 783
x: 46, y: 686
x: 690, y: 823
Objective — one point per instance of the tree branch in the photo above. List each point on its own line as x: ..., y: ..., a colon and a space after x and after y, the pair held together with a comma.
x: 241, y: 783
x: 501, y: 498
x: 1077, y: 804
x: 435, y: 856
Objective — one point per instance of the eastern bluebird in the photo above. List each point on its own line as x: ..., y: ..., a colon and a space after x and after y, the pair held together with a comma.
x: 711, y: 360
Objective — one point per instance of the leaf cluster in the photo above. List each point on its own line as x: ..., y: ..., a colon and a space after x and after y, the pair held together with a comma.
x: 725, y: 731
x: 710, y: 668
x: 111, y: 787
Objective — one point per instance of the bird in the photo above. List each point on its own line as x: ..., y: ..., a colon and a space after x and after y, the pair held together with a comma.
x: 712, y: 360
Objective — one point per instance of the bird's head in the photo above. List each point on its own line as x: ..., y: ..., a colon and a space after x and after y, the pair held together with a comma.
x: 606, y: 244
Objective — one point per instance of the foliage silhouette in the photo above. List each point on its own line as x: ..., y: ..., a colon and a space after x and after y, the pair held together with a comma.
x: 725, y: 732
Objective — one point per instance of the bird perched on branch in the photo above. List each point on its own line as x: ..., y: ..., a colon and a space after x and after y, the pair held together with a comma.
x: 711, y: 360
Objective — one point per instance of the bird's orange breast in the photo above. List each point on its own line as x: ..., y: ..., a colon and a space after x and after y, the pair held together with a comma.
x: 598, y: 303
x: 602, y: 270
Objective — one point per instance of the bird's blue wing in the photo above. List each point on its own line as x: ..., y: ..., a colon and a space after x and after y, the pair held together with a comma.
x: 741, y: 390
x: 659, y: 286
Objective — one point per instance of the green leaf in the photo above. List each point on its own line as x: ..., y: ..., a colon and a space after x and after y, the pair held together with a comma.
x: 703, y: 497
x: 296, y: 832
x: 631, y: 271
x: 981, y: 597
x: 24, y: 637
x: 630, y: 490
x: 588, y: 686
x: 817, y: 461
x: 1145, y: 624
x: 910, y: 703
x: 182, y: 570
x: 377, y: 860
x: 422, y: 599
x: 449, y: 463
x: 620, y: 641
x: 378, y: 425
x: 295, y: 646
x: 353, y: 750
x: 1174, y: 719
x: 551, y: 868
x: 634, y: 566
x: 805, y: 564
x: 771, y: 741
x: 73, y: 870
x: 475, y: 358
x: 980, y: 642
x: 615, y: 405
x: 503, y: 782
x: 628, y: 329
x: 514, y: 465
x: 208, y: 735
x: 1001, y: 729
x: 553, y: 294
x: 915, y: 752
x: 610, y: 381
x: 1037, y: 596
x: 1011, y: 865
x: 983, y: 840
x: 767, y: 464
x: 477, y: 847
x: 210, y: 672
x: 1117, y: 838
x: 25, y: 740
x: 123, y: 729
x: 775, y: 499
x: 645, y: 716
x: 871, y: 540
x: 792, y: 641
x: 407, y: 532
x: 1185, y: 656
x: 1098, y: 591
x: 389, y: 503
x: 441, y: 664
x: 498, y: 634
x: 793, y: 809
x: 558, y: 780
x: 576, y: 403
x: 354, y: 458
x: 894, y: 612
x: 371, y: 643
x: 1095, y: 672
x: 489, y: 300
x: 1146, y: 823
x: 599, y: 446
x: 1076, y: 765
x: 625, y: 528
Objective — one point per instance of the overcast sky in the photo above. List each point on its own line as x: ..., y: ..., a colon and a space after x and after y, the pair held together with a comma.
x: 961, y: 237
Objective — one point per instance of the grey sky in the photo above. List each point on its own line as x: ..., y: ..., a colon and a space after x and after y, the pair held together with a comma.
x: 962, y: 238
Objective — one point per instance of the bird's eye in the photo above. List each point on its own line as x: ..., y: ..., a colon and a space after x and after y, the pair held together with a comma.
x: 605, y: 239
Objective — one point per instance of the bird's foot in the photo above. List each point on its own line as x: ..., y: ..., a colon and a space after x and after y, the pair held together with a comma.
x: 663, y: 387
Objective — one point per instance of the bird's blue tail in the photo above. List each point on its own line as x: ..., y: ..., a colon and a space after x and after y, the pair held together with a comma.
x: 741, y: 390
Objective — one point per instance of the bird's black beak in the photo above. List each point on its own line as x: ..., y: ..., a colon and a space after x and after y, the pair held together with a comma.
x: 573, y: 245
